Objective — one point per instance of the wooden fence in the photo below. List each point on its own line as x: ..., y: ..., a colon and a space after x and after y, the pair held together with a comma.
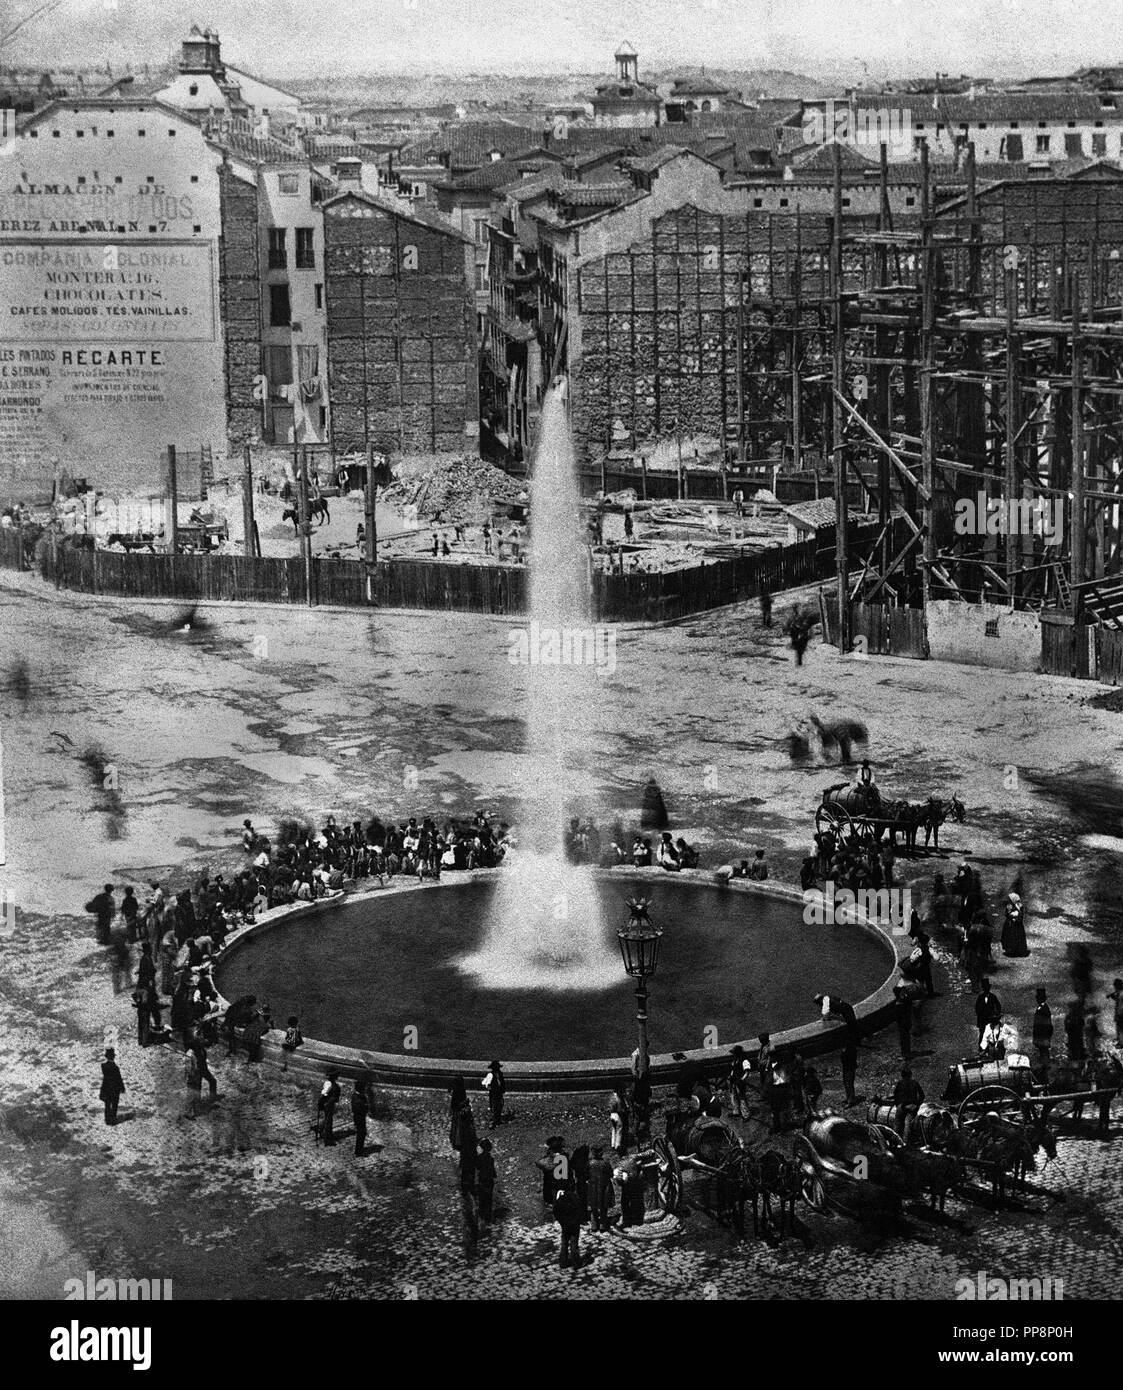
x: 422, y: 584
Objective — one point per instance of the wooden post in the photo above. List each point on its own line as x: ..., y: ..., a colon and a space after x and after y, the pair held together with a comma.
x: 370, y: 519
x: 797, y: 390
x: 248, y: 525
x: 741, y: 371
x: 1078, y: 533
x: 1011, y: 454
x: 927, y: 405
x: 173, y: 509
x: 300, y: 461
x: 643, y: 475
x: 678, y: 440
x: 840, y: 509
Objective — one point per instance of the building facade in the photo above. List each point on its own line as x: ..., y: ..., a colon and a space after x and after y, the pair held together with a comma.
x: 112, y: 341
x: 402, y: 346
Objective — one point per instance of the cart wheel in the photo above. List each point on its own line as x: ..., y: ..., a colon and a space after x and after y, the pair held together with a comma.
x: 1002, y: 1099
x: 668, y: 1179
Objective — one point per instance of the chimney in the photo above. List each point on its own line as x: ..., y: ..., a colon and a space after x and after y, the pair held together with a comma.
x: 349, y: 171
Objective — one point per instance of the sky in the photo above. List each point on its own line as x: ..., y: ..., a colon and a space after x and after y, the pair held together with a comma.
x: 819, y: 37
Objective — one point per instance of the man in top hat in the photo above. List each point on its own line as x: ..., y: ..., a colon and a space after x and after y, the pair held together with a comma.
x: 112, y: 1086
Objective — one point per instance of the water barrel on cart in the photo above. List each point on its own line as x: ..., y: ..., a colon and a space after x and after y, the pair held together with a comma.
x: 883, y: 1113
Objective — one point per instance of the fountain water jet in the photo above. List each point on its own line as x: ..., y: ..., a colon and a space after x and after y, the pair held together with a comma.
x: 546, y: 929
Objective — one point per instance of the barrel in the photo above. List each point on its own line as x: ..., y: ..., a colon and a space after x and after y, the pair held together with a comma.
x: 972, y: 1075
x: 883, y: 1113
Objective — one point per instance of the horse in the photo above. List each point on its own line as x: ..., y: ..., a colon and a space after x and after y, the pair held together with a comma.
x: 317, y: 510
x: 841, y: 732
x: 1008, y: 1147
x: 1101, y: 1073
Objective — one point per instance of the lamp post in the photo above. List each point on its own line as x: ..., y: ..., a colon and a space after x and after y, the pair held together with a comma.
x: 639, y: 946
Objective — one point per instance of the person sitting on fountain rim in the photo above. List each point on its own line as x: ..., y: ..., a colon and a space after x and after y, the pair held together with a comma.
x: 759, y: 868
x: 667, y: 855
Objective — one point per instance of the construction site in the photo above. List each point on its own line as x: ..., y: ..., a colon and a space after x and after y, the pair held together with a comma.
x: 959, y: 369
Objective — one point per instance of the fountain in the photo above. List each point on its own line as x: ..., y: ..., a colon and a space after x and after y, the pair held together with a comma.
x: 547, y: 930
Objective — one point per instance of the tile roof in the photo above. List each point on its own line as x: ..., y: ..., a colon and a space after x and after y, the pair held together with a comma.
x: 1024, y: 106
x: 417, y: 214
x: 259, y: 151
x: 820, y: 159
x: 519, y: 190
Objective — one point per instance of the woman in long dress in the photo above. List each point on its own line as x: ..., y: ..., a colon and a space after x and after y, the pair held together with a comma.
x: 1013, y: 928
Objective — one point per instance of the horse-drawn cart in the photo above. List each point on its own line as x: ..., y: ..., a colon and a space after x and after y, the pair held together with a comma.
x: 858, y: 817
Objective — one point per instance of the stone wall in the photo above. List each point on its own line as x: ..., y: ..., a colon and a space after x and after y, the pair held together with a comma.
x: 984, y: 634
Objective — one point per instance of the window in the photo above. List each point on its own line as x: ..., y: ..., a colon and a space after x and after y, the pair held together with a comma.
x: 194, y: 178
x: 1073, y: 144
x: 54, y: 134
x: 982, y: 125
x: 193, y: 90
x: 1099, y: 144
x: 288, y: 183
x: 280, y: 311
x: 1013, y: 144
x: 910, y: 201
x: 783, y: 202
x: 278, y: 258
x: 278, y: 369
x: 481, y: 277
x: 479, y: 225
x: 109, y: 133
x: 319, y: 296
x: 1043, y: 143
x: 846, y: 202
x: 171, y: 132
x: 1042, y: 125
x: 305, y: 251
x: 80, y: 133
x: 758, y: 202
x: 991, y: 629
x: 140, y: 132
x: 1013, y: 125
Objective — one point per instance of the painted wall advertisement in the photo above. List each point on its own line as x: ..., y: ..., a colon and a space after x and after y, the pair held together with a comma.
x: 110, y: 349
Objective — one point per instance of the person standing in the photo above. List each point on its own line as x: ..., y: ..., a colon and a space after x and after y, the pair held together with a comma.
x: 765, y: 608
x: 739, y: 1066
x: 459, y: 1112
x: 329, y: 1099
x: 1042, y: 1025
x: 104, y: 910
x: 1116, y: 996
x: 205, y: 1073
x: 988, y: 1008
x: 554, y: 1167
x: 130, y: 910
x: 601, y: 1192
x: 567, y: 1213
x: 923, y: 968
x: 495, y: 1084
x: 1074, y: 1031
x: 112, y: 1086
x: 485, y: 1181
x: 360, y: 1109
x: 618, y: 1118
x: 1013, y: 928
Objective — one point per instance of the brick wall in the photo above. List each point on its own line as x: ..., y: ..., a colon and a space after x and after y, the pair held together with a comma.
x: 401, y: 341
x: 240, y: 304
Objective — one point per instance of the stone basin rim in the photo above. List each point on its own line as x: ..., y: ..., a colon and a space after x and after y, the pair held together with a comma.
x: 589, y: 1074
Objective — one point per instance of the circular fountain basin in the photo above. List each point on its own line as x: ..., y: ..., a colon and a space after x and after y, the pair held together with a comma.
x: 376, y: 979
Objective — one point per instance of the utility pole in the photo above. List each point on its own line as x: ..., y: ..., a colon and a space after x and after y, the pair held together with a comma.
x: 173, y: 509
x: 370, y: 531
x: 1078, y: 534
x: 300, y: 464
x: 741, y: 371
x: 247, y: 501
x: 927, y: 381
x: 839, y: 459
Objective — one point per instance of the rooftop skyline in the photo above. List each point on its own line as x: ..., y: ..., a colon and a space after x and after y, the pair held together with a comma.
x: 874, y: 39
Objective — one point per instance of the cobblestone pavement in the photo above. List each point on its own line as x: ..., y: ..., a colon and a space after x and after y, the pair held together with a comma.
x: 348, y: 714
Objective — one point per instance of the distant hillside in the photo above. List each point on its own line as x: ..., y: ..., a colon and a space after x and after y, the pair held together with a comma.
x: 499, y: 88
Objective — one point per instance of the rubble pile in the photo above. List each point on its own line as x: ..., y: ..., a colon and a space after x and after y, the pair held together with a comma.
x: 458, y: 488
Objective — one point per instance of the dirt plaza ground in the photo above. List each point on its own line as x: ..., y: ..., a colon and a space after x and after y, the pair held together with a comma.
x: 272, y: 712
